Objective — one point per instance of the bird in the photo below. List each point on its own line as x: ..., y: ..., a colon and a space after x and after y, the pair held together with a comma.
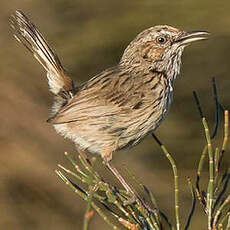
x: 118, y: 107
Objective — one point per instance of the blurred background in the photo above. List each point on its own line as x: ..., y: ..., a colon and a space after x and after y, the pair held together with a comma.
x: 90, y: 36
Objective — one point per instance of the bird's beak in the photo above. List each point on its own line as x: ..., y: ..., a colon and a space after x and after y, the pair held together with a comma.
x: 187, y: 38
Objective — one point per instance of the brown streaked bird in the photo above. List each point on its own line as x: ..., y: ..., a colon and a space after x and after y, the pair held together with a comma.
x: 121, y: 105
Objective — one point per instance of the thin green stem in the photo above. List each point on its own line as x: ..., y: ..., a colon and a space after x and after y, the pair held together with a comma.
x: 176, y: 186
x: 222, y: 221
x: 112, y: 198
x: 199, y: 169
x: 88, y: 206
x: 104, y: 217
x: 85, y: 163
x: 226, y: 126
x: 216, y: 173
x: 226, y: 134
x: 211, y: 174
x: 219, y: 210
x: 66, y: 181
x: 216, y: 159
x: 148, y: 220
x: 74, y: 164
x: 228, y: 224
x: 92, y: 190
x: 202, y: 158
x: 83, y: 179
x: 193, y: 204
x: 84, y: 197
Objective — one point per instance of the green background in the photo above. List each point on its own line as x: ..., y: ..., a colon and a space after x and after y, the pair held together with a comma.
x: 90, y: 36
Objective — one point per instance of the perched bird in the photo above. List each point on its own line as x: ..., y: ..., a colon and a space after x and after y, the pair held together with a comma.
x: 118, y: 107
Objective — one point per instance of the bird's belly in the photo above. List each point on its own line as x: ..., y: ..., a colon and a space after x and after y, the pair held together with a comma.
x: 88, y: 138
x: 115, y: 132
x: 83, y: 143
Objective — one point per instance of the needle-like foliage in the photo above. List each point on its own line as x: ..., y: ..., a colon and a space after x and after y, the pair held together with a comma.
x: 119, y: 211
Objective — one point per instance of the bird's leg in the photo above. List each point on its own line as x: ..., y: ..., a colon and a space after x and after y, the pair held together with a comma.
x: 119, y: 177
x: 107, y: 156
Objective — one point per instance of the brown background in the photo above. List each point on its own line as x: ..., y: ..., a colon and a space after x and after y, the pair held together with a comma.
x: 90, y: 36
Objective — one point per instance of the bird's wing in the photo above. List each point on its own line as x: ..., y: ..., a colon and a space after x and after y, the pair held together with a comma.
x: 84, y: 111
x: 108, y: 94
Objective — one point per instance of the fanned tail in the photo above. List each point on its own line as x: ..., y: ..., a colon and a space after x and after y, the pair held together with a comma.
x: 27, y: 34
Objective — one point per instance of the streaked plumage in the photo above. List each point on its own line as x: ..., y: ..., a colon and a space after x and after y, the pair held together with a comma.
x: 121, y: 105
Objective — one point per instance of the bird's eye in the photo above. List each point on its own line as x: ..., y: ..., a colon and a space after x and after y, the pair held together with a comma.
x: 161, y: 40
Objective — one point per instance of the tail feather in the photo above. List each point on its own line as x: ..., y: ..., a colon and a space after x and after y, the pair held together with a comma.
x: 27, y: 34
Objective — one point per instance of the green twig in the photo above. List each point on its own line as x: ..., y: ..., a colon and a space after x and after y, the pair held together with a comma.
x: 226, y: 126
x: 216, y: 162
x: 226, y: 134
x: 193, y: 204
x: 211, y: 174
x: 217, y: 108
x: 195, y: 95
x: 228, y: 224
x: 92, y: 190
x: 84, y: 197
x: 218, y: 212
x: 176, y: 195
x: 83, y: 179
x: 223, y: 220
x: 88, y: 206
x: 200, y: 167
x: 224, y: 180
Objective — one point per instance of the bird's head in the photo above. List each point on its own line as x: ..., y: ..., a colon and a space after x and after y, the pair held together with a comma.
x: 159, y: 48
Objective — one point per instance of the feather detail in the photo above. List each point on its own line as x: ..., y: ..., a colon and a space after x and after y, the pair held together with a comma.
x: 27, y: 34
